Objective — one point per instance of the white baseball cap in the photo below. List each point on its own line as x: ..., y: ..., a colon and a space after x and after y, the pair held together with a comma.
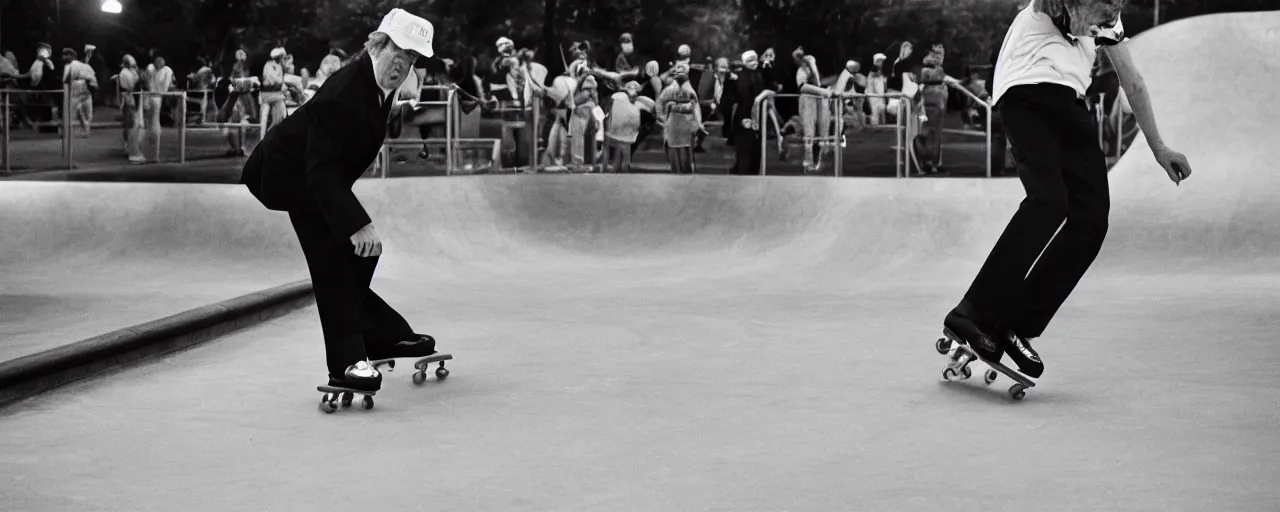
x: 408, y: 31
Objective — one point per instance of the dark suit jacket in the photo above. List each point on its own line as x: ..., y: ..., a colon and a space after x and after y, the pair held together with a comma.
x: 739, y: 96
x: 309, y: 162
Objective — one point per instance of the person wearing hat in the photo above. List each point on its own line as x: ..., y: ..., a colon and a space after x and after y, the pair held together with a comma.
x: 81, y: 83
x: 307, y: 165
x: 272, y: 96
x: 877, y: 84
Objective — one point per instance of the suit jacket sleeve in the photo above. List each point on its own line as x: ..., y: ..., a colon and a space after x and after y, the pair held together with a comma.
x: 326, y: 175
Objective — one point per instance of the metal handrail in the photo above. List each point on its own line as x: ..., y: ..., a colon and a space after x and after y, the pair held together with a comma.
x: 974, y: 97
x: 66, y: 122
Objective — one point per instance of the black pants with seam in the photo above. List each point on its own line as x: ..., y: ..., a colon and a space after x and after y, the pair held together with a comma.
x: 1064, y: 172
x: 355, y: 321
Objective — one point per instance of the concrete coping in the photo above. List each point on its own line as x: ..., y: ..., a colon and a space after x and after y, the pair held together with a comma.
x: 36, y: 373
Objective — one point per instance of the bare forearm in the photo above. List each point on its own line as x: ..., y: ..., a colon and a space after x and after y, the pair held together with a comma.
x: 1140, y: 101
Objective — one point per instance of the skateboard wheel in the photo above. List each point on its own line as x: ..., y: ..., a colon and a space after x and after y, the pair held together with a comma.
x: 968, y: 372
x: 991, y: 376
x: 419, y: 377
x: 948, y: 373
x: 943, y: 345
x: 442, y: 373
x: 346, y: 399
x: 368, y: 402
x: 327, y: 406
x: 1017, y: 391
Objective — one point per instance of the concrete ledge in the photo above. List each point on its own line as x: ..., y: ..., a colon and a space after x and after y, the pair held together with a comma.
x: 34, y: 374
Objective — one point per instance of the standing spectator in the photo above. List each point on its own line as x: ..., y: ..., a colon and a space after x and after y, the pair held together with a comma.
x: 8, y: 71
x: 243, y: 70
x: 94, y: 59
x: 624, y: 126
x: 877, y: 84
x: 650, y: 88
x: 773, y: 81
x: 740, y: 122
x: 678, y: 110
x: 273, y: 88
x: 626, y: 60
x: 41, y: 77
x: 581, y: 136
x: 201, y: 82
x: 933, y: 95
x: 129, y: 83
x: 82, y: 84
x: 815, y: 112
x: 711, y: 94
x: 558, y: 99
x: 158, y: 83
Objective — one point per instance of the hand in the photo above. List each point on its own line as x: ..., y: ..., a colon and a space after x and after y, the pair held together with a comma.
x: 1175, y: 164
x: 367, y: 242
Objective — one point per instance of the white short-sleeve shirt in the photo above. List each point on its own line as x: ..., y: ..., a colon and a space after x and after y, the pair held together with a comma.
x: 1035, y: 52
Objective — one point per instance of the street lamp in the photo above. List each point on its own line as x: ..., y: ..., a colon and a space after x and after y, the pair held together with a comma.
x: 112, y: 6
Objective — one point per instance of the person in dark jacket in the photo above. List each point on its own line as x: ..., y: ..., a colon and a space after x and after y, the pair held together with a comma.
x: 739, y: 125
x: 306, y: 166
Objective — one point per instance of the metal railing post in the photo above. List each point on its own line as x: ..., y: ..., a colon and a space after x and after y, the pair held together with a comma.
x: 838, y: 136
x: 66, y: 125
x: 764, y: 136
x: 182, y: 129
x: 8, y: 117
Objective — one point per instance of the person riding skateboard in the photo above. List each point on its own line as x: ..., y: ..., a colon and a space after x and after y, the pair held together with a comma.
x: 1041, y: 77
x: 307, y: 165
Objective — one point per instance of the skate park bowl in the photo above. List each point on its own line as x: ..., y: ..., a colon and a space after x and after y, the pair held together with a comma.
x: 651, y: 342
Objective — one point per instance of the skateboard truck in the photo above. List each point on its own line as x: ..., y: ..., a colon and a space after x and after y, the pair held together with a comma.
x: 329, y: 402
x: 421, y: 365
x: 963, y: 355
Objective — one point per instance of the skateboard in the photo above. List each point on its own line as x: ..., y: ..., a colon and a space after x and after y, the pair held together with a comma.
x: 961, y: 355
x: 421, y: 365
x: 328, y: 403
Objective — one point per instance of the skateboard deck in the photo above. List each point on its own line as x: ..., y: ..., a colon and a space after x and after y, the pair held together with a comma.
x: 421, y: 365
x: 962, y: 354
x: 328, y: 403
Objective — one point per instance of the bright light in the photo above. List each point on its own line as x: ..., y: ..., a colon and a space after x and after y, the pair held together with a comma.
x: 112, y: 6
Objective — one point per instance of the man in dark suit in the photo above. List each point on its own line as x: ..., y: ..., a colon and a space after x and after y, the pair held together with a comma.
x: 739, y: 128
x: 306, y: 166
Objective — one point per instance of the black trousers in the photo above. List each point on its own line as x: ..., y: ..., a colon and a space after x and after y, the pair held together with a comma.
x: 746, y: 148
x: 355, y: 321
x: 1064, y: 172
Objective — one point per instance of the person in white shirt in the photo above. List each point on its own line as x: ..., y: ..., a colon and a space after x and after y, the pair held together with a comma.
x: 82, y: 83
x: 159, y: 79
x: 272, y: 96
x: 1041, y: 77
x: 129, y: 82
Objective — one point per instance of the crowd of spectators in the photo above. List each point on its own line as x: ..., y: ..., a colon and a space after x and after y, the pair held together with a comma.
x: 593, y: 116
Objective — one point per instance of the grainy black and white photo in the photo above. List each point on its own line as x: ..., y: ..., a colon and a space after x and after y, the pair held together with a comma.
x: 639, y: 255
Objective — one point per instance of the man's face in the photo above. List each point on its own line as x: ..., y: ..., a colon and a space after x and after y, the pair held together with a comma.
x: 393, y: 65
x: 159, y: 62
x: 768, y: 56
x: 722, y: 66
x: 241, y: 55
x: 1091, y: 14
x: 751, y: 62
